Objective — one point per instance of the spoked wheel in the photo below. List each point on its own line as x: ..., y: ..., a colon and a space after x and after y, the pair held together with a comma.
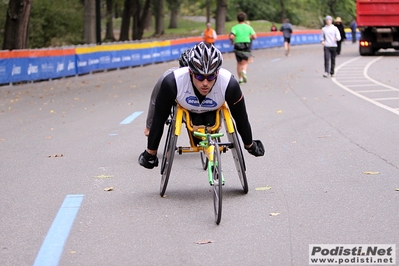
x: 167, y: 157
x: 239, y: 160
x: 170, y: 129
x: 217, y: 184
x: 204, y: 160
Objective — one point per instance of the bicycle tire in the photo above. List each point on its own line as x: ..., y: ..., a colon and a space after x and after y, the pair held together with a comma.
x: 167, y: 158
x: 217, y: 184
x: 239, y: 159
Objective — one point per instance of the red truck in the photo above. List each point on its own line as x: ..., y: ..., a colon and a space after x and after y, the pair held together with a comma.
x: 378, y: 23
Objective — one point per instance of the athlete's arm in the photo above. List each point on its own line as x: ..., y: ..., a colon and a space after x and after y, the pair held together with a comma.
x: 236, y: 103
x: 164, y: 102
x: 154, y: 95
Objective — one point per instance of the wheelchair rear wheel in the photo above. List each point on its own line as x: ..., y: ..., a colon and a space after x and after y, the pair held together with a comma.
x: 167, y: 157
x: 238, y: 159
x: 217, y: 184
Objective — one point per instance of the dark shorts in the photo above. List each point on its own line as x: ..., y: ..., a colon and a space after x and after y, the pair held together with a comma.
x: 287, y: 40
x: 203, y: 119
x: 242, y: 51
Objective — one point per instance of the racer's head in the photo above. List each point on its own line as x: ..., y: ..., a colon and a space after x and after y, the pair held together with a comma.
x: 329, y: 20
x: 184, y: 57
x: 204, y: 64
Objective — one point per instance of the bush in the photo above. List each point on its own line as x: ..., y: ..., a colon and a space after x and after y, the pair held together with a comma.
x: 55, y: 23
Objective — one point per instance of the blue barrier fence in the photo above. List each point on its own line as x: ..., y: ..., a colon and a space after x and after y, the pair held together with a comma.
x: 32, y: 65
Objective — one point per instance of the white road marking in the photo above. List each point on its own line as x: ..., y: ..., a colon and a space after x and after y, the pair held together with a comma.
x: 370, y: 91
x: 359, y: 83
x: 386, y: 99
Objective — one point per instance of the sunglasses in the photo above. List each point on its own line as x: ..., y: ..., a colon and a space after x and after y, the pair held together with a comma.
x: 201, y: 77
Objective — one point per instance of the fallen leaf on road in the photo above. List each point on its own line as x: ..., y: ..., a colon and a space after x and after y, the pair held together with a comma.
x: 263, y: 188
x: 56, y: 155
x: 108, y: 188
x: 202, y: 242
x: 73, y: 252
x: 279, y: 111
x: 274, y: 213
x: 103, y: 176
x: 371, y: 173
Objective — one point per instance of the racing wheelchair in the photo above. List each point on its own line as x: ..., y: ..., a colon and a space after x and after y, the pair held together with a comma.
x: 209, y: 146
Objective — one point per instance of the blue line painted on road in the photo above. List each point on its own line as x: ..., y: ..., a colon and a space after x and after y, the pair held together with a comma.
x: 275, y: 60
x: 53, y: 245
x: 130, y: 118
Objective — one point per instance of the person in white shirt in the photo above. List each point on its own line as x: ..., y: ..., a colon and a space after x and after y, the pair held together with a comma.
x: 329, y: 37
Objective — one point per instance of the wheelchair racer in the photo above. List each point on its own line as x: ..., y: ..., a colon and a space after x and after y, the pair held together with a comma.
x: 201, y: 88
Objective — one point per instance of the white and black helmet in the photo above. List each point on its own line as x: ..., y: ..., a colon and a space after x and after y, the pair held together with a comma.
x: 184, y: 57
x: 205, y: 59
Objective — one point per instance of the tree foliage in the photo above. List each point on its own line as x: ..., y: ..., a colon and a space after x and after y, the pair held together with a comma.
x: 309, y: 13
x: 55, y: 25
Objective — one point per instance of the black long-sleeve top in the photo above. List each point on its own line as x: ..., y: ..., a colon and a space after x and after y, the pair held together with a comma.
x: 167, y: 98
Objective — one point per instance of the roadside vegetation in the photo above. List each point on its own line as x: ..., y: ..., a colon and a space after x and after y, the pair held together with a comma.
x: 52, y: 23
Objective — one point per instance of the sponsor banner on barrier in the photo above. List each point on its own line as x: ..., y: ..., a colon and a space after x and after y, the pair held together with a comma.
x: 89, y: 62
x: 39, y: 68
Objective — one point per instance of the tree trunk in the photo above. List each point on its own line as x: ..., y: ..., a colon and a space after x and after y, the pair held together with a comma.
x: 221, y: 12
x: 139, y: 18
x: 208, y: 11
x: 282, y: 12
x: 174, y: 6
x: 174, y: 13
x: 159, y: 25
x: 116, y: 10
x: 89, y: 23
x: 127, y: 13
x: 148, y: 21
x: 16, y: 27
x: 109, y: 33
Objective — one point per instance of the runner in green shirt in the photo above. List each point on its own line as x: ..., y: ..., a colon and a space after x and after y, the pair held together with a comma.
x: 241, y: 36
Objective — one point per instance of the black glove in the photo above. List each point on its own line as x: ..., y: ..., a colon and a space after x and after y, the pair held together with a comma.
x: 256, y: 149
x: 147, y: 160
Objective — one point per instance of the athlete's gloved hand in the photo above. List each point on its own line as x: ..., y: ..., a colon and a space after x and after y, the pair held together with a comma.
x: 256, y: 149
x: 147, y: 160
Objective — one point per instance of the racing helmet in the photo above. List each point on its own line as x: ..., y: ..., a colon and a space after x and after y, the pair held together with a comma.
x: 184, y: 57
x: 205, y: 59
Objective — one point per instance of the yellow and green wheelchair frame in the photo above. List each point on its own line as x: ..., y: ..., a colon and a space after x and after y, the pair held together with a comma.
x: 210, y: 148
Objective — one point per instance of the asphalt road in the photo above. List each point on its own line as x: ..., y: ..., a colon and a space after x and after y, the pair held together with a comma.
x: 331, y: 162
